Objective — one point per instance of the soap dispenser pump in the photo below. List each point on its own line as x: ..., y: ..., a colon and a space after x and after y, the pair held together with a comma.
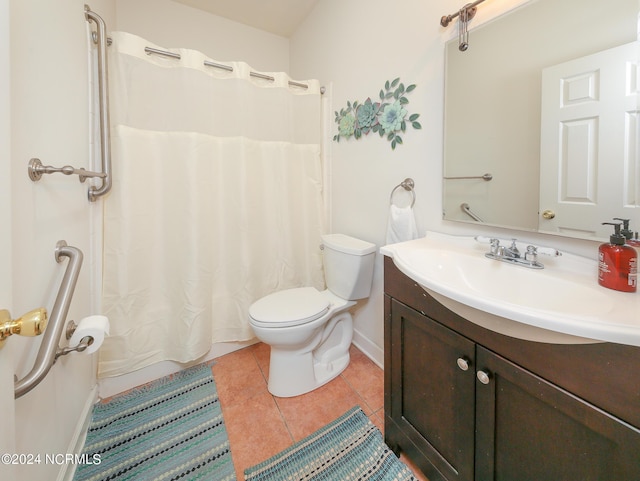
x: 628, y: 233
x: 617, y: 263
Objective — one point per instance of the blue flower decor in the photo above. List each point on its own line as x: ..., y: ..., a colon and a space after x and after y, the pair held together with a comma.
x: 387, y: 117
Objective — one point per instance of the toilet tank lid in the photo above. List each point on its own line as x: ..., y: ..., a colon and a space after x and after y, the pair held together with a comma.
x: 347, y: 244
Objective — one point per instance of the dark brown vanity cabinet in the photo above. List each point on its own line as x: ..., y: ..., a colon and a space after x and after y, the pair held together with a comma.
x: 465, y: 403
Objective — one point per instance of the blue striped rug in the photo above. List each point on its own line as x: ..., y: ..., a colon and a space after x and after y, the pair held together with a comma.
x: 170, y: 429
x: 349, y: 448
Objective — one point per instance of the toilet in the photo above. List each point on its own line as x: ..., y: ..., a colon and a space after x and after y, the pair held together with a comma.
x: 310, y: 331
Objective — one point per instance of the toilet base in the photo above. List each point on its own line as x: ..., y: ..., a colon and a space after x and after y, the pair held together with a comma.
x: 292, y: 373
x: 306, y: 377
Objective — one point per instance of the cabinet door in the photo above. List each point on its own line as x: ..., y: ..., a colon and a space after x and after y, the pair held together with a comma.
x: 432, y: 394
x: 529, y: 429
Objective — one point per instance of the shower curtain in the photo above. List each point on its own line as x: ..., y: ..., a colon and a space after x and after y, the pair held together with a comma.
x: 216, y: 201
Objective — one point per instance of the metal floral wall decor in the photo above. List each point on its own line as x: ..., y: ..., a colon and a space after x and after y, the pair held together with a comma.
x: 387, y: 117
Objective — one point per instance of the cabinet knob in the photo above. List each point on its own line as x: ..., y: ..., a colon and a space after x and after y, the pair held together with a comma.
x: 463, y: 363
x: 483, y: 377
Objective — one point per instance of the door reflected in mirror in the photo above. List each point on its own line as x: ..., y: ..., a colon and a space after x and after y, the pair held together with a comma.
x: 546, y: 101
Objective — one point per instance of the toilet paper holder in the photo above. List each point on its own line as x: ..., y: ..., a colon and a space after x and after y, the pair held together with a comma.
x: 84, y: 343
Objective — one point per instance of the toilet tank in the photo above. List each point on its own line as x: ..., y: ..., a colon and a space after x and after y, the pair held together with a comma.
x: 348, y: 265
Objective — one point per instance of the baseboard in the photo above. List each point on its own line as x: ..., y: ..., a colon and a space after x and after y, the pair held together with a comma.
x: 110, y: 386
x: 67, y: 470
x: 369, y: 348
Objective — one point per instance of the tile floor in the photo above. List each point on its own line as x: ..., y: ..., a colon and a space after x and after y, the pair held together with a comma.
x: 260, y: 425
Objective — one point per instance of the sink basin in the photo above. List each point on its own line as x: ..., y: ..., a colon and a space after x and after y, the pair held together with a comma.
x: 562, y: 303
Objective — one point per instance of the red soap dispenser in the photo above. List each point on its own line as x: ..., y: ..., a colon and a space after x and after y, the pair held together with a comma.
x: 628, y: 233
x: 618, y: 263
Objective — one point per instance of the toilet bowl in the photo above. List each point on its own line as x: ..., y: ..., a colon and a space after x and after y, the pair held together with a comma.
x: 310, y: 331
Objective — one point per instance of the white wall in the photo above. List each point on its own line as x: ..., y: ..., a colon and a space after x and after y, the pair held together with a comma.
x: 355, y: 47
x: 170, y: 24
x: 50, y: 120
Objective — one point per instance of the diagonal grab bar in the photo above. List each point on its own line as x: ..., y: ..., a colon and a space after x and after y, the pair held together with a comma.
x: 51, y: 337
x: 467, y: 210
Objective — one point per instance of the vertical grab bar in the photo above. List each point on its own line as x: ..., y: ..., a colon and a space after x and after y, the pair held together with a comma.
x: 103, y: 101
x: 51, y: 337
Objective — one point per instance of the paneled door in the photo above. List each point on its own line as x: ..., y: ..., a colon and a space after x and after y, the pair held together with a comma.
x: 589, y: 162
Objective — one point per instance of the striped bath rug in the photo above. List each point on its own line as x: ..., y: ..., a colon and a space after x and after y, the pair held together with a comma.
x: 169, y: 429
x: 349, y: 448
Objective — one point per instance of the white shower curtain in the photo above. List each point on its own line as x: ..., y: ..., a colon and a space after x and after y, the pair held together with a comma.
x: 216, y: 201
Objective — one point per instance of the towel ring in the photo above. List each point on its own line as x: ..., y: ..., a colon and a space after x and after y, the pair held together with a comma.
x: 408, y: 185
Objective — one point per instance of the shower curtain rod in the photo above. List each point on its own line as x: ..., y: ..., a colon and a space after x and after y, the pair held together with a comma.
x: 208, y: 63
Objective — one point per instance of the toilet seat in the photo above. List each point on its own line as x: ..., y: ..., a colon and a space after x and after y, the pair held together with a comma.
x: 288, y: 308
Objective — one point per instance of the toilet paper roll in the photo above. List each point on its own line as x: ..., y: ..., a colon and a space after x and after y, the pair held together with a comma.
x: 94, y: 326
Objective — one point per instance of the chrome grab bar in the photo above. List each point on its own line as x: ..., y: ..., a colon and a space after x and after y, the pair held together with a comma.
x: 51, y: 337
x: 35, y: 167
x: 103, y: 101
x: 486, y: 177
x: 467, y: 210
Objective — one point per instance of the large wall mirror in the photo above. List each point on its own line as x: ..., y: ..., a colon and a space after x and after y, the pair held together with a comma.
x: 545, y: 100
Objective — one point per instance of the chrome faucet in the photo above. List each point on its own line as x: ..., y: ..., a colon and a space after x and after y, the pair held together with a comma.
x: 511, y: 254
x: 512, y: 251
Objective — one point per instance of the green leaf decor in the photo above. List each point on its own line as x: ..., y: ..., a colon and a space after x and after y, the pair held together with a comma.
x: 388, y: 117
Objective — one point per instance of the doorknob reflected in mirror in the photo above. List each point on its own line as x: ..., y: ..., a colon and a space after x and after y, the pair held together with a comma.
x: 548, y: 214
x: 32, y: 323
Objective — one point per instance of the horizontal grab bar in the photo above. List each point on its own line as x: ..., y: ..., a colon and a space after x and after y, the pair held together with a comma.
x: 36, y: 169
x: 51, y: 337
x: 486, y: 177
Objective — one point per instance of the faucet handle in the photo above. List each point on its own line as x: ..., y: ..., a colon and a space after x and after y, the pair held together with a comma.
x: 531, y: 254
x: 495, y: 245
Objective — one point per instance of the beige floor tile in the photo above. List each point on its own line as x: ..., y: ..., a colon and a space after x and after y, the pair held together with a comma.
x: 238, y: 377
x: 309, y: 412
x: 366, y: 378
x: 262, y: 352
x: 261, y: 425
x: 256, y: 431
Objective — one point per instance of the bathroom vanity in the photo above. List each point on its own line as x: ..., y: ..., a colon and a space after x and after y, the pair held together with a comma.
x: 465, y: 402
